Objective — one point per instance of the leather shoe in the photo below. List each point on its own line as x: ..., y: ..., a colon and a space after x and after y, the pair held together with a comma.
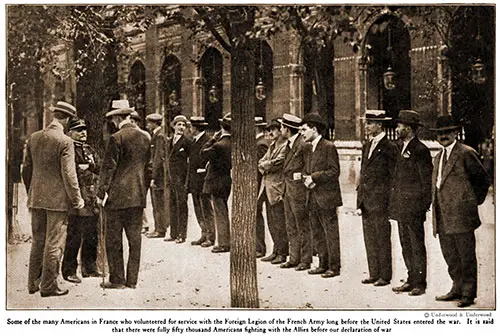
x: 269, y: 257
x: 170, y: 239
x: 73, y: 278
x: 465, y: 302
x: 34, y: 290
x: 180, y: 240
x: 279, y: 260
x: 57, y: 292
x: 417, y: 291
x: 93, y: 274
x: 220, y: 249
x: 198, y: 242
x: 330, y: 274
x: 303, y: 267
x: 288, y: 265
x: 369, y: 281
x: 406, y: 287
x: 155, y: 235
x: 207, y: 243
x: 145, y: 229
x: 381, y: 282
x: 449, y: 297
x: 111, y: 285
x: 317, y: 270
x: 259, y: 254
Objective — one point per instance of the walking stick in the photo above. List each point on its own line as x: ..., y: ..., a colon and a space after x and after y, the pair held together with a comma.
x: 102, y: 234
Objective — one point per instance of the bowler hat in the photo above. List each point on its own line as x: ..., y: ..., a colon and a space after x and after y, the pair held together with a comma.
x: 179, y: 118
x: 76, y: 123
x: 376, y: 115
x: 198, y: 121
x: 409, y: 117
x: 445, y: 123
x: 289, y: 120
x: 226, y: 120
x: 315, y: 119
x: 64, y: 107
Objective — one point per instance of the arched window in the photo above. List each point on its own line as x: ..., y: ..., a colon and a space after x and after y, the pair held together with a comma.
x: 211, y: 72
x: 170, y: 87
x: 137, y: 89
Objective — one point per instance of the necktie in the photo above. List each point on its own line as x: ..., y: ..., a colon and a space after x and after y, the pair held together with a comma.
x: 443, y: 165
x: 372, y: 147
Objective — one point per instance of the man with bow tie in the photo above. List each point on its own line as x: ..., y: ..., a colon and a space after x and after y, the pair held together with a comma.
x: 377, y: 165
x: 410, y: 200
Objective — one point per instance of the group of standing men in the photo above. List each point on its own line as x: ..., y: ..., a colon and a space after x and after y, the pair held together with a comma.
x: 399, y: 181
x: 298, y: 181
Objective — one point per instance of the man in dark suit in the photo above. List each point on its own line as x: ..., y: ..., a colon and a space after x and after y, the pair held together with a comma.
x: 271, y: 193
x: 321, y: 178
x: 262, y: 144
x: 49, y: 175
x: 217, y: 151
x: 82, y: 234
x: 122, y: 188
x: 377, y: 165
x: 153, y: 125
x: 410, y: 200
x: 177, y: 150
x: 296, y: 216
x: 459, y: 185
x: 196, y: 176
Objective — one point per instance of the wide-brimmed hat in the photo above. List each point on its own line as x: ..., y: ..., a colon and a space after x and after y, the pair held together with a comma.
x: 198, y: 121
x: 179, y: 118
x: 289, y: 120
x: 409, y: 117
x: 314, y: 118
x: 259, y: 121
x: 226, y: 120
x: 445, y: 123
x: 76, y: 123
x: 64, y: 107
x: 376, y: 115
x: 120, y: 104
x: 121, y: 111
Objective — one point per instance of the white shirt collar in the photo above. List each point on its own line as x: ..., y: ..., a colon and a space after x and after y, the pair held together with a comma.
x: 314, y: 143
x: 156, y: 130
x: 198, y: 136
x: 449, y: 148
x: 292, y: 139
x: 405, y: 144
x: 379, y: 137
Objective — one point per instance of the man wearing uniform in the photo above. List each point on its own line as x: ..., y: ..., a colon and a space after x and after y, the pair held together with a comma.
x: 82, y: 223
x: 122, y: 188
x: 49, y: 175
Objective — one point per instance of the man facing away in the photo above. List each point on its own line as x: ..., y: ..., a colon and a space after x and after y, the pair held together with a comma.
x: 321, y: 178
x: 82, y: 223
x: 196, y: 177
x: 410, y: 200
x: 271, y: 193
x: 459, y: 185
x: 122, y: 188
x: 377, y: 165
x: 49, y: 174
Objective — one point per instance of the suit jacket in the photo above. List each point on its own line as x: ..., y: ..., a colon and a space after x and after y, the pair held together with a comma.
x: 294, y: 164
x: 158, y: 160
x: 218, y: 179
x: 464, y: 186
x: 49, y: 172
x: 262, y: 144
x: 87, y: 178
x: 197, y: 166
x: 270, y: 166
x: 412, y: 182
x: 324, y: 168
x: 177, y: 160
x: 376, y: 176
x: 124, y: 171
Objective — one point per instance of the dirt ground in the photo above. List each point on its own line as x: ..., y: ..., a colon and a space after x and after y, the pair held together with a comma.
x: 184, y: 276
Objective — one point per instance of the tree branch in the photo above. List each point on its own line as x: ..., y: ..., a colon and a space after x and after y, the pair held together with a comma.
x: 210, y: 26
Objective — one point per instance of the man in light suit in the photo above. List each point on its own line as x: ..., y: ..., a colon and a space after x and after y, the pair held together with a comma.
x: 153, y: 125
x: 410, y: 200
x: 321, y: 178
x: 377, y: 166
x: 196, y: 176
x: 271, y: 193
x: 49, y: 174
x: 122, y: 187
x: 296, y: 215
x: 459, y: 185
x: 177, y: 150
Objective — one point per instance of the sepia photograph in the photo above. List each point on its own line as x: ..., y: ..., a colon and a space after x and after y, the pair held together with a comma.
x: 266, y: 157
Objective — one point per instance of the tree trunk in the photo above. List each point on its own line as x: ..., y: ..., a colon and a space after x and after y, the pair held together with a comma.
x: 243, y: 272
